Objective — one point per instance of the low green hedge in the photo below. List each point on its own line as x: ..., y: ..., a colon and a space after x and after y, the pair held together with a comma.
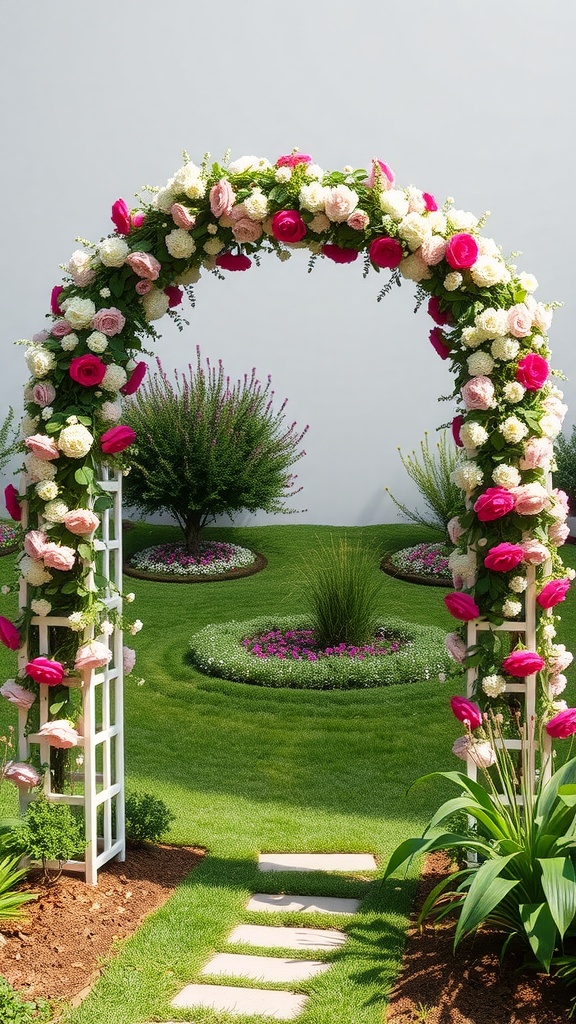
x: 217, y: 650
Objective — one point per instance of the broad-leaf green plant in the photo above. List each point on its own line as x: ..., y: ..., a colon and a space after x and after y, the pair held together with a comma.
x: 52, y: 833
x: 11, y: 900
x: 432, y: 473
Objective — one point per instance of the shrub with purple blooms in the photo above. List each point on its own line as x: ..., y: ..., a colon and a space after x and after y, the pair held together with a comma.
x: 213, y: 558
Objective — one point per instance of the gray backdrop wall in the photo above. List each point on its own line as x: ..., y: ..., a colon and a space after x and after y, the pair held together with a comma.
x: 468, y: 100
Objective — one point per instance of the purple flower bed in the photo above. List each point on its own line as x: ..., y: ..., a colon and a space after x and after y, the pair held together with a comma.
x: 301, y: 645
x: 423, y: 560
x: 215, y: 557
x: 8, y: 535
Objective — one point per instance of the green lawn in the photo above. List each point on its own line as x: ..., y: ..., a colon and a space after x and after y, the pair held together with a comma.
x: 248, y: 769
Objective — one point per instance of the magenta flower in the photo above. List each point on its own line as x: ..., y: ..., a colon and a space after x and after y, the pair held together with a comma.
x: 288, y: 226
x: 438, y: 343
x: 532, y: 371
x: 135, y: 379
x: 43, y: 670
x: 494, y: 503
x: 339, y: 255
x: 523, y: 663
x: 504, y: 557
x: 12, y: 503
x: 233, y: 261
x: 9, y: 635
x: 55, y: 295
x: 435, y: 311
x: 117, y: 439
x: 466, y: 711
x: 553, y: 592
x: 462, y: 606
x: 462, y: 251
x: 562, y: 725
x: 386, y: 252
x: 121, y: 217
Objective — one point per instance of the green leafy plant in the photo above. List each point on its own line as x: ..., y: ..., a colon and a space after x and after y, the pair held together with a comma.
x: 16, y: 1010
x: 8, y: 438
x: 11, y: 902
x: 52, y: 833
x: 207, y: 447
x: 565, y: 475
x: 341, y: 588
x: 432, y: 474
x: 147, y: 818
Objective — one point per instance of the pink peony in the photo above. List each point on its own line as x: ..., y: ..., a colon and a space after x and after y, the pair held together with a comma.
x: 456, y: 428
x: 386, y: 252
x: 358, y: 220
x: 182, y: 217
x: 462, y: 606
x: 35, y: 543
x: 293, y: 159
x: 558, y: 534
x: 523, y: 663
x: 21, y: 774
x: 530, y: 499
x: 221, y: 198
x: 560, y: 659
x: 288, y: 226
x: 562, y: 725
x: 243, y: 228
x: 59, y: 733
x: 532, y: 371
x: 462, y: 251
x: 57, y: 556
x: 43, y: 447
x: 534, y: 552
x: 9, y: 635
x: 121, y: 217
x: 175, y: 296
x: 493, y: 503
x: 433, y: 250
x: 339, y: 255
x: 81, y: 521
x: 504, y: 557
x: 466, y: 711
x: 439, y: 316
x: 561, y: 502
x: 44, y: 671
x: 143, y: 287
x: 61, y: 328
x: 117, y: 439
x: 43, y: 393
x: 437, y: 341
x: 233, y: 261
x: 108, y: 321
x: 478, y: 393
x: 135, y: 379
x: 88, y: 370
x: 17, y: 695
x: 538, y: 452
x: 129, y: 659
x: 519, y: 320
x: 456, y: 647
x: 144, y: 264
x: 429, y: 202
x: 54, y: 296
x: 381, y: 173
x: 553, y: 592
x: 455, y: 530
x: 92, y: 655
x: 13, y: 507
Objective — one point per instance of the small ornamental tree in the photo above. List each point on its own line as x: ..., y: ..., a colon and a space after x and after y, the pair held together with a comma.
x: 208, y: 447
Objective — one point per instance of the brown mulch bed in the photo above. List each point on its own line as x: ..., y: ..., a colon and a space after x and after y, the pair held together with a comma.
x: 57, y: 951
x: 259, y: 563
x: 438, y: 986
x: 387, y: 566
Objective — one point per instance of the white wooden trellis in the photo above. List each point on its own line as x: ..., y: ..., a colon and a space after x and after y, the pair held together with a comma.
x: 99, y: 774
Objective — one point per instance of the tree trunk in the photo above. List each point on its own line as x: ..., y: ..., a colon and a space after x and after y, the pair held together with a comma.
x: 192, y: 531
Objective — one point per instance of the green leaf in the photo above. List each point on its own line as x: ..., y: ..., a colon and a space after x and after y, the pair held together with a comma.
x: 559, y: 885
x: 412, y: 847
x: 85, y: 551
x: 84, y: 476
x: 100, y: 581
x: 69, y: 588
x: 567, y: 795
x: 55, y: 708
x: 485, y: 893
x: 540, y: 931
x: 103, y: 502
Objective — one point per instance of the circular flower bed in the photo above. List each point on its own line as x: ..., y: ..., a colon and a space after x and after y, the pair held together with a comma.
x: 423, y: 563
x: 282, y: 651
x: 216, y: 560
x: 8, y: 538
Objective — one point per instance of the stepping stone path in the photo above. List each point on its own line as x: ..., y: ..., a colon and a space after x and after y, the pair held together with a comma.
x: 277, y: 1005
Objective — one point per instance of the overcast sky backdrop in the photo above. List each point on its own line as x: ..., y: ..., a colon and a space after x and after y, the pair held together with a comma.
x: 470, y: 100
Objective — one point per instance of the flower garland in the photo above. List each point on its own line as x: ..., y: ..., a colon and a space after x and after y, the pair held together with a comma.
x: 211, y: 218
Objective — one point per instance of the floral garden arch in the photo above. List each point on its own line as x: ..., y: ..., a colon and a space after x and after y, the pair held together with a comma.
x: 217, y: 218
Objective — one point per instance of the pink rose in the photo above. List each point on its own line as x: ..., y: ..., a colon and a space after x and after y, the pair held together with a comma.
x: 175, y: 296
x: 530, y: 499
x: 553, y: 592
x: 143, y: 287
x: 17, y: 695
x: 40, y: 337
x: 117, y: 439
x: 560, y: 660
x: 456, y: 428
x: 59, y: 733
x: 61, y: 328
x: 121, y: 217
x: 555, y: 406
x: 462, y: 606
x: 433, y: 250
x: 561, y: 504
x: 138, y: 219
x: 43, y: 447
x: 534, y: 552
x: 92, y: 655
x: 44, y: 671
x: 340, y: 202
x: 504, y: 557
x: 244, y: 229
x: 135, y: 379
x: 456, y: 647
x: 35, y: 543
x: 538, y: 452
x: 558, y: 534
x: 144, y: 264
x: 109, y: 321
x: 532, y: 371
x: 81, y: 521
x: 479, y: 751
x: 439, y: 316
x: 288, y: 226
x: 339, y: 255
x: 88, y: 370
x: 233, y: 261
x: 9, y: 635
x: 519, y: 320
x: 466, y: 712
x: 43, y: 394
x: 430, y: 202
x: 381, y: 173
x: 462, y: 251
x: 13, y: 507
x: 523, y: 663
x: 293, y: 159
x: 478, y: 393
x: 222, y: 198
x: 437, y: 341
x: 386, y: 252
x: 494, y: 503
x: 562, y: 725
x: 129, y: 659
x: 21, y: 774
x: 455, y: 530
x: 55, y: 295
x: 58, y: 556
x: 358, y: 220
x: 182, y: 217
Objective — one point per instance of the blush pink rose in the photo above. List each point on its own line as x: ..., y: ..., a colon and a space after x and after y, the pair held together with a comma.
x: 523, y: 663
x: 386, y: 252
x: 128, y: 659
x: 288, y: 226
x: 246, y: 230
x: 61, y: 328
x: 35, y: 543
x: 560, y: 660
x: 340, y: 201
x: 456, y: 428
x: 88, y: 370
x: 462, y: 606
x: 108, y: 321
x: 358, y: 220
x: 45, y: 671
x: 21, y: 774
x: 42, y: 446
x: 339, y: 255
x: 466, y: 712
x: 40, y: 337
x: 144, y: 264
x: 143, y: 287
x: 43, y: 394
x: 433, y: 250
x: 182, y: 217
x: 558, y: 534
x: 538, y: 452
x: 54, y: 296
x: 478, y: 393
x: 121, y: 217
x: 135, y: 379
x: 233, y: 261
x: 117, y: 439
x: 9, y: 635
x: 553, y: 592
x: 293, y: 159
x: 381, y: 173
x: 81, y: 521
x: 438, y: 344
x: 222, y: 198
x: 17, y: 695
x: 13, y: 506
x: 562, y: 725
x: 456, y: 647
x: 530, y: 499
x: 519, y: 320
x: 462, y: 251
x: 59, y: 733
x: 92, y: 655
x: 535, y: 553
x: 58, y: 556
x: 504, y: 557
x: 532, y: 371
x: 494, y: 503
x: 455, y: 530
x: 439, y: 316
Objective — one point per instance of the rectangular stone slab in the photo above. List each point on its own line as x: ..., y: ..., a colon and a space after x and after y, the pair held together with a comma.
x: 245, y: 1001
x: 287, y: 938
x: 316, y: 862
x: 264, y: 968
x: 303, y: 904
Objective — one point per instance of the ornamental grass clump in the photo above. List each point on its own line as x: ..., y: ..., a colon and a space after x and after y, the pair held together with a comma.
x: 208, y: 447
x: 341, y: 588
x: 432, y: 475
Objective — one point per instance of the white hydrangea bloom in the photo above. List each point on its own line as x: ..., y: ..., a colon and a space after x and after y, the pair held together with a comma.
x: 473, y: 435
x: 46, y: 490
x: 314, y: 171
x: 111, y: 411
x: 519, y: 584
x: 75, y: 441
x: 493, y: 685
x: 282, y: 175
x: 413, y: 228
x: 191, y: 276
x: 319, y: 223
x: 55, y: 511
x: 39, y: 361
x: 180, y: 245
x: 29, y: 425
x: 480, y: 364
x: 513, y: 430
x: 79, y: 312
x: 39, y: 469
x: 113, y: 251
x: 33, y: 571
x: 461, y: 220
x: 511, y: 608
x: 452, y: 281
x: 493, y: 322
x: 488, y: 271
x: 467, y: 476
x: 115, y: 376
x: 69, y: 342
x: 550, y: 425
x: 256, y: 205
x: 312, y: 197
x: 41, y: 607
x: 505, y: 348
x: 472, y: 337
x: 213, y: 246
x: 190, y: 180
x: 97, y: 342
x: 506, y: 476
x: 513, y: 392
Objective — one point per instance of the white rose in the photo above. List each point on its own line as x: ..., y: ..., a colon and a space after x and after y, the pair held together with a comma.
x: 453, y: 280
x: 180, y: 245
x: 493, y: 322
x: 513, y: 392
x: 340, y: 201
x: 314, y: 171
x: 460, y: 220
x: 505, y: 348
x: 543, y: 317
x: 79, y: 312
x: 513, y: 430
x: 473, y: 435
x: 487, y: 247
x: 413, y: 228
x: 312, y: 197
x: 39, y: 361
x: 97, y: 342
x: 80, y: 268
x: 394, y: 203
x: 115, y: 376
x: 189, y: 179
x: 528, y: 282
x: 113, y: 251
x: 155, y: 304
x: 488, y: 271
x: 480, y: 364
x: 413, y: 268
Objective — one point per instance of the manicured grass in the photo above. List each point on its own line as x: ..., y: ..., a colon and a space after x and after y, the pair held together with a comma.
x: 248, y: 768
